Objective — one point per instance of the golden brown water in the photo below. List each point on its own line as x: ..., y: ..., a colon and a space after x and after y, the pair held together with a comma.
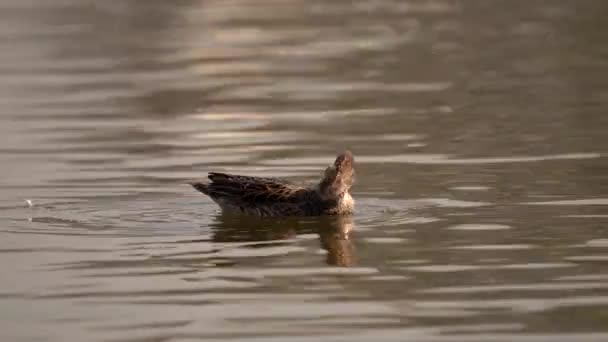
x: 479, y: 130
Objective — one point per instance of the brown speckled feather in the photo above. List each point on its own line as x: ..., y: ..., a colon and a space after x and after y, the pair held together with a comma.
x: 254, y: 190
x: 276, y: 197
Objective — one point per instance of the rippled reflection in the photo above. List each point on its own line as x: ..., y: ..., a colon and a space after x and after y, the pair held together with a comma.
x: 334, y: 234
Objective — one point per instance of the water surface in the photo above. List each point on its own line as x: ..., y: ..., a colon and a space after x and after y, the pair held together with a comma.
x: 479, y: 130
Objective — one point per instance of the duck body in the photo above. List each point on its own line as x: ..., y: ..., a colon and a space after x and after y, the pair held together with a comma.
x: 262, y: 196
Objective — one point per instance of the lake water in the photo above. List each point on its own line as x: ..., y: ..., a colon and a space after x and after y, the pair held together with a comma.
x: 478, y: 128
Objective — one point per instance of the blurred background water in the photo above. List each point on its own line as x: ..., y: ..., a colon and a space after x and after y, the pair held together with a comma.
x: 479, y: 130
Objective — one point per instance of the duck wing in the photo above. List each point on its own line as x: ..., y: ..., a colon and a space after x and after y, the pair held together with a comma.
x: 246, y: 190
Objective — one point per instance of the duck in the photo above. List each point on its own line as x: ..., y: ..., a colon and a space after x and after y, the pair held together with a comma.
x: 275, y: 197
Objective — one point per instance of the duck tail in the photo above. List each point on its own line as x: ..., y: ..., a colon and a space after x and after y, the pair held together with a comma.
x: 200, y: 186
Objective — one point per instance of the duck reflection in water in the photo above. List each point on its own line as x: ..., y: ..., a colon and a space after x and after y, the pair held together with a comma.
x: 334, y: 233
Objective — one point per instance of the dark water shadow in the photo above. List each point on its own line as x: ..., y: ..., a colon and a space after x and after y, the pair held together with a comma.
x: 335, y: 233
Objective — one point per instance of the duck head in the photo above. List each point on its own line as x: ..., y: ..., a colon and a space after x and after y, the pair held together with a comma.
x: 338, y: 177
